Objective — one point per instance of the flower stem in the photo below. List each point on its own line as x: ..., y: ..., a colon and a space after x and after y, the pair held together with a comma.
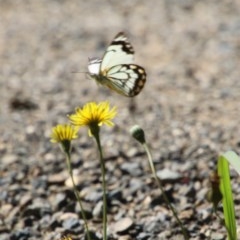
x: 96, y: 135
x: 68, y: 160
x: 145, y: 146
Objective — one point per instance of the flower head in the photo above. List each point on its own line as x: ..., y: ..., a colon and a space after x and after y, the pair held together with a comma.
x: 93, y: 115
x: 66, y: 238
x: 64, y: 134
x: 138, y: 133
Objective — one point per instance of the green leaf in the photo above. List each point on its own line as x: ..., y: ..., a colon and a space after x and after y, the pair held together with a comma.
x: 233, y: 159
x: 225, y: 186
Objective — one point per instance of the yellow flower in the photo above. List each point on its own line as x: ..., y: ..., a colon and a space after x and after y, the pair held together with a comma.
x: 62, y: 133
x: 66, y: 238
x: 93, y: 115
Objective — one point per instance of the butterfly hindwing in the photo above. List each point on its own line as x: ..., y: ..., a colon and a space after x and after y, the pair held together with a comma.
x: 126, y: 79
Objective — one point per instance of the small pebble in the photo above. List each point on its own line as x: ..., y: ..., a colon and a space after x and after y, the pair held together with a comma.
x: 123, y: 225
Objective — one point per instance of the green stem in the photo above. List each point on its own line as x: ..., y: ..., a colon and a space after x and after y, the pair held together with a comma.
x: 162, y: 190
x: 96, y: 135
x: 68, y: 158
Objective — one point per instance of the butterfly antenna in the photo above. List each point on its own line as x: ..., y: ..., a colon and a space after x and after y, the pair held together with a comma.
x: 78, y: 72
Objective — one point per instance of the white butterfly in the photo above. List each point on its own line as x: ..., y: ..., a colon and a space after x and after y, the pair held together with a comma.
x: 116, y: 69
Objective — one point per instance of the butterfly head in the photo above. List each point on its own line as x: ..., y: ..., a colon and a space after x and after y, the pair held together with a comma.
x: 94, y: 66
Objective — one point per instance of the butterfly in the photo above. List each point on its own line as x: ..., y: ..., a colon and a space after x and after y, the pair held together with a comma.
x: 116, y: 69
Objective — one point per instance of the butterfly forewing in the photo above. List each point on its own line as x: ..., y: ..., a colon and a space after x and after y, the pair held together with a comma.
x: 121, y: 48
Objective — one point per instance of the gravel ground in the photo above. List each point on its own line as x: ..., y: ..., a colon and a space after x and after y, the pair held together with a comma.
x: 189, y: 109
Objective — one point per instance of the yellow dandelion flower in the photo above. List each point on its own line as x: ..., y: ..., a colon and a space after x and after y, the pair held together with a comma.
x: 66, y: 238
x: 93, y: 115
x: 63, y: 134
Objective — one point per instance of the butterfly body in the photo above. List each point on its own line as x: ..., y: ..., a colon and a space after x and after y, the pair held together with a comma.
x: 116, y: 69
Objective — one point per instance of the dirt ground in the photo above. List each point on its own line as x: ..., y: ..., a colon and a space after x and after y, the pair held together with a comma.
x: 189, y: 109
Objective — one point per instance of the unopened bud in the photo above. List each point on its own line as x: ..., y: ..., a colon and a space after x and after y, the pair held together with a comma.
x: 138, y: 133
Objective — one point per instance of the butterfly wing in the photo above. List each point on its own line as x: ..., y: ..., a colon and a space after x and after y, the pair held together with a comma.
x: 126, y: 79
x: 120, y: 51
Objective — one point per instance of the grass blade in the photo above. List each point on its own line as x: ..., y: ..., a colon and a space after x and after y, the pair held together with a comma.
x: 228, y: 206
x: 233, y: 159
